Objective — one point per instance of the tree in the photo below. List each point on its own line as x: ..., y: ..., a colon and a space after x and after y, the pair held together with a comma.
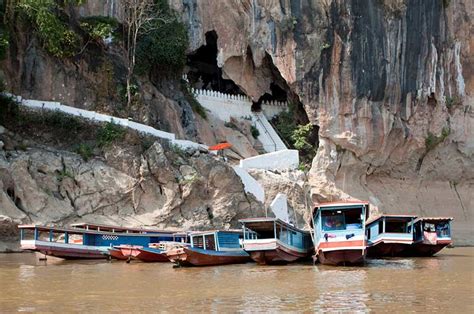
x: 139, y: 19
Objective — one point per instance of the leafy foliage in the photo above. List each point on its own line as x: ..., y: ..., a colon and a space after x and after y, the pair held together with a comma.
x: 255, y: 132
x: 163, y: 48
x: 432, y: 140
x: 85, y: 150
x: 300, y: 137
x: 191, y: 99
x: 56, y: 37
x: 109, y: 133
x: 99, y: 27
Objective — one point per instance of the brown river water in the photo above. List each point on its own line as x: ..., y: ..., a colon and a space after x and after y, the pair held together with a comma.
x: 441, y: 283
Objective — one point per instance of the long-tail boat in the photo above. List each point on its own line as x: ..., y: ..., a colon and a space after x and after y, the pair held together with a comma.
x: 430, y: 235
x: 389, y: 235
x: 85, y: 241
x: 339, y: 232
x: 210, y: 248
x: 156, y: 252
x: 273, y: 241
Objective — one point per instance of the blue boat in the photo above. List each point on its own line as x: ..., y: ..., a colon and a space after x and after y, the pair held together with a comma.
x: 339, y: 232
x: 210, y: 248
x: 389, y: 235
x: 273, y: 241
x: 86, y: 241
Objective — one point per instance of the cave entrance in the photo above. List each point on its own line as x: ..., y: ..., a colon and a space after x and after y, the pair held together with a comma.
x: 276, y: 94
x: 203, y: 72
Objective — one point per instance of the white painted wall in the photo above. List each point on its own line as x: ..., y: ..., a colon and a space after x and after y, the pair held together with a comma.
x: 268, y: 136
x: 272, y: 109
x: 225, y: 106
x: 251, y: 185
x: 280, y: 160
x: 279, y: 207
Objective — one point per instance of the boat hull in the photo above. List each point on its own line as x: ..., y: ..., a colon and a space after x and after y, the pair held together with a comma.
x: 278, y: 254
x: 383, y: 249
x: 421, y: 249
x: 187, y: 256
x: 129, y: 251
x: 117, y: 254
x: 65, y: 250
x: 150, y: 255
x: 342, y: 257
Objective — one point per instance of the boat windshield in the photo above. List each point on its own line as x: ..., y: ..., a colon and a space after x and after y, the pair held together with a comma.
x: 342, y: 219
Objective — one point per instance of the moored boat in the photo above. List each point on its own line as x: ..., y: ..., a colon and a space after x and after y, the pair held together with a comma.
x: 430, y: 235
x: 210, y: 248
x: 389, y: 235
x: 86, y: 241
x: 273, y: 241
x: 339, y: 232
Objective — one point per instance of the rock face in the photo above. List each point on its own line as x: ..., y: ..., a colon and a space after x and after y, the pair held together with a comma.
x: 389, y: 83
x: 157, y: 188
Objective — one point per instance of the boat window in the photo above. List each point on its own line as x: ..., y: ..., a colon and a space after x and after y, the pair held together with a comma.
x: 395, y: 227
x: 333, y: 221
x: 210, y: 242
x: 341, y: 220
x: 442, y: 229
x: 198, y: 242
x: 380, y: 226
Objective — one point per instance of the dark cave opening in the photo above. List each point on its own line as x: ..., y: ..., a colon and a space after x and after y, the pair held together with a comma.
x: 203, y: 72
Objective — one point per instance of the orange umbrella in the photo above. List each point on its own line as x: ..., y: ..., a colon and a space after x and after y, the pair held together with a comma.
x: 220, y: 146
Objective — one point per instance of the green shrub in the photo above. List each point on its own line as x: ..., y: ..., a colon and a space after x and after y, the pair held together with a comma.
x: 191, y: 99
x: 164, y: 47
x: 431, y: 141
x: 85, y: 150
x: 99, y: 27
x: 55, y: 35
x: 254, y: 131
x: 9, y: 109
x: 109, y: 133
x: 300, y: 137
x: 60, y: 120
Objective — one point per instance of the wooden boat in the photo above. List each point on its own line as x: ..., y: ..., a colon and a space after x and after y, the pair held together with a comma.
x: 210, y: 248
x: 156, y: 251
x: 339, y: 232
x: 430, y: 235
x: 117, y: 254
x: 273, y: 241
x: 85, y: 241
x: 389, y: 235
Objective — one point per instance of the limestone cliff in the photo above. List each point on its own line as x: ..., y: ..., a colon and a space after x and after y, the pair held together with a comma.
x: 388, y: 83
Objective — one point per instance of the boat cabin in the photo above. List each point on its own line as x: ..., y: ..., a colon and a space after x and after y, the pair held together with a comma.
x: 95, y: 235
x: 341, y: 219
x: 217, y: 240
x: 390, y: 228
x: 431, y: 229
x: 255, y: 229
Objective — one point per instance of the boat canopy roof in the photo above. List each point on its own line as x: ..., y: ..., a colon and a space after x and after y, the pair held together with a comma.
x: 75, y: 230
x: 110, y: 228
x: 197, y: 233
x: 345, y: 203
x: 267, y: 224
x: 391, y: 217
x: 433, y: 219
